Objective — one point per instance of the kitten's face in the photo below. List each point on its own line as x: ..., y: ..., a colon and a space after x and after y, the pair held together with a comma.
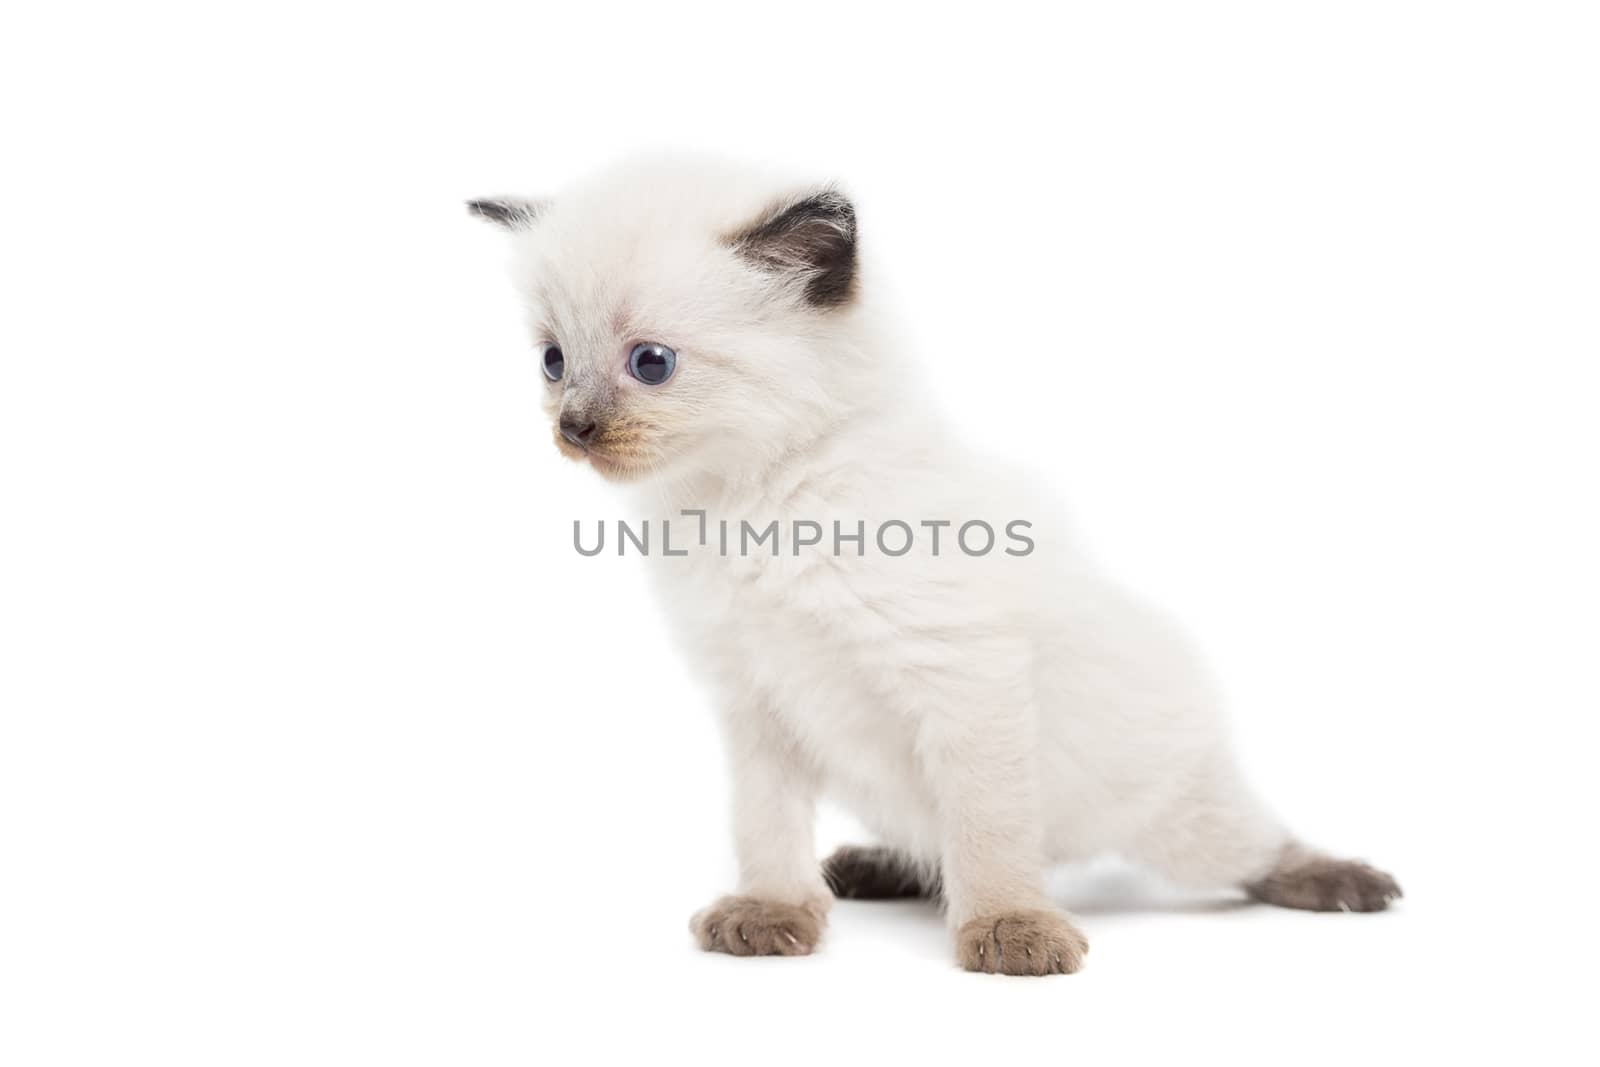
x: 683, y: 317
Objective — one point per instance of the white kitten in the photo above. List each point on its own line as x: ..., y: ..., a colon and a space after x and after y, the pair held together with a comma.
x: 710, y: 338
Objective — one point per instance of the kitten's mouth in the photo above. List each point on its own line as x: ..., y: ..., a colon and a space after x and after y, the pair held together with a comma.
x: 609, y: 468
x: 607, y: 465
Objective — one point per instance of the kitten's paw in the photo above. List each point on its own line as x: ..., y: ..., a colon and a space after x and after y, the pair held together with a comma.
x: 1314, y: 882
x: 746, y: 926
x: 1022, y: 942
x: 876, y: 873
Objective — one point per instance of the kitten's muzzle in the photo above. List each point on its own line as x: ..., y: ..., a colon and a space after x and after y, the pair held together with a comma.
x: 578, y: 428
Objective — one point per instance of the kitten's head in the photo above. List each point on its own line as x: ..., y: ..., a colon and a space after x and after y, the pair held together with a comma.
x: 689, y: 316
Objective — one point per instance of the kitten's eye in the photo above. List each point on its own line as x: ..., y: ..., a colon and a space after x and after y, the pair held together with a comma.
x: 651, y: 363
x: 554, y: 364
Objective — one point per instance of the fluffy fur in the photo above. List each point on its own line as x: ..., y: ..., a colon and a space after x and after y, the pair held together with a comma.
x: 985, y: 715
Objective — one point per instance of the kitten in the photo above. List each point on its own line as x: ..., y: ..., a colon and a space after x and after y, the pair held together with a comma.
x: 710, y: 337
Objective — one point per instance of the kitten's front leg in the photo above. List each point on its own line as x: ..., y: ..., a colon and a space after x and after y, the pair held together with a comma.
x: 782, y: 902
x: 983, y: 772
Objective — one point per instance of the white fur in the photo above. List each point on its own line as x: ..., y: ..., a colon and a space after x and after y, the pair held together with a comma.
x: 989, y: 715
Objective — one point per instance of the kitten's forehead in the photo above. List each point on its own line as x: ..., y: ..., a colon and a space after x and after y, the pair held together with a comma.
x: 649, y: 209
x: 641, y: 242
x: 600, y: 283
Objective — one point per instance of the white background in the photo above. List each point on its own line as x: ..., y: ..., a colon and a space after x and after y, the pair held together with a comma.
x: 321, y: 745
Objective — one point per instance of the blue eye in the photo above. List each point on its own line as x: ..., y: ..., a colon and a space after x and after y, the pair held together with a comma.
x: 651, y: 363
x: 554, y: 363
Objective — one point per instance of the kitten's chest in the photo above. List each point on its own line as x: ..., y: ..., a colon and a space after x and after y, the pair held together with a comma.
x: 766, y: 623
x: 796, y: 637
x: 804, y: 641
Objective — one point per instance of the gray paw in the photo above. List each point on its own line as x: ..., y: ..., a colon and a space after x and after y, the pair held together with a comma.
x: 745, y: 926
x: 1022, y: 942
x: 1320, y: 883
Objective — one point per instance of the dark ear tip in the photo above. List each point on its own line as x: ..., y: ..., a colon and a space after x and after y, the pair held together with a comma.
x: 512, y: 214
x: 830, y: 203
x: 813, y: 236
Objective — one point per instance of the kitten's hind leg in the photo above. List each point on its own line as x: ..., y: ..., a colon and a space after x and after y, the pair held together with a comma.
x: 863, y: 872
x: 1214, y: 833
x: 1219, y: 835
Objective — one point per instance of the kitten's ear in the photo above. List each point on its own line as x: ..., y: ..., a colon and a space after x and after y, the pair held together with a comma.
x: 813, y: 239
x: 514, y: 213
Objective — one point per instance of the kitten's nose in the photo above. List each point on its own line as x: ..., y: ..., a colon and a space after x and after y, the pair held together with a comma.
x: 579, y: 429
